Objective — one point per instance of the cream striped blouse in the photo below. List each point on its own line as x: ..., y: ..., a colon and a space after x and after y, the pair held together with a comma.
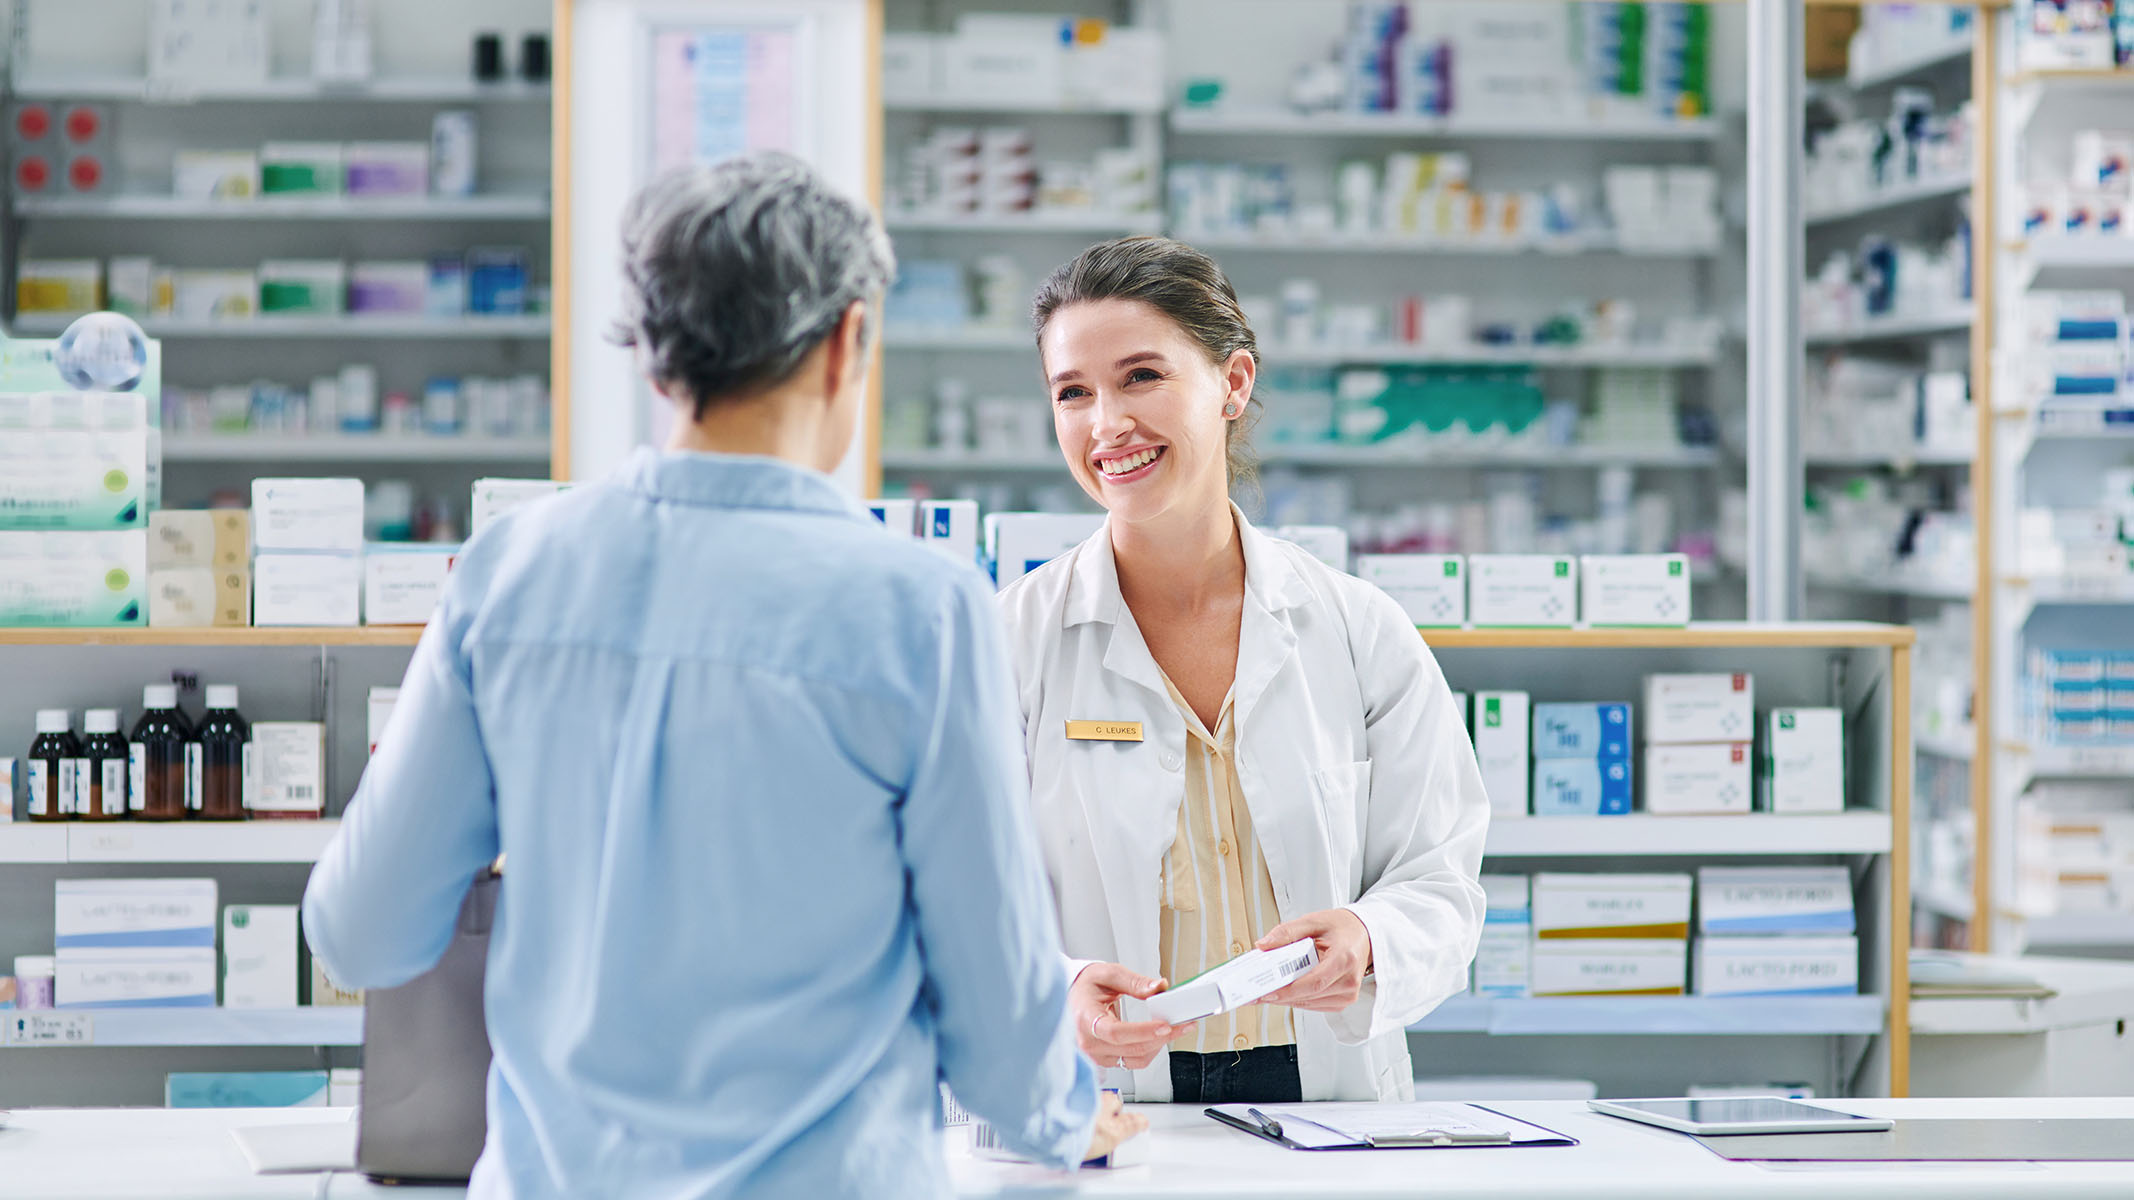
x: 1217, y: 895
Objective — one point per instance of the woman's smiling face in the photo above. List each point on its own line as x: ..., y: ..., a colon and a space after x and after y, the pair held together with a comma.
x: 1139, y: 409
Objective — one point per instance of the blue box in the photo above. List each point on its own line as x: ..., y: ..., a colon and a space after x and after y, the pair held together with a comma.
x: 1581, y: 787
x: 1594, y: 731
x: 245, y: 1089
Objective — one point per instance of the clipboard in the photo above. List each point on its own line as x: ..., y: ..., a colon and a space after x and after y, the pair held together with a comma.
x: 1408, y: 1126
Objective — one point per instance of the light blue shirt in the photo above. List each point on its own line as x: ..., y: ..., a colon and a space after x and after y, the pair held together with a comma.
x: 757, y: 764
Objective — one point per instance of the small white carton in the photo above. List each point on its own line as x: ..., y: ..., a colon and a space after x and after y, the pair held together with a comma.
x: 1430, y: 588
x: 182, y: 597
x: 1501, y: 736
x: 1019, y: 543
x: 379, y: 710
x: 1708, y: 777
x: 1233, y: 985
x: 951, y: 527
x: 215, y: 175
x: 307, y: 514
x: 899, y: 516
x: 74, y: 580
x: 1522, y: 590
x: 259, y: 956
x: 1327, y: 543
x: 1800, y: 901
x: 1700, y: 708
x: 1804, y: 762
x: 1502, y: 956
x: 495, y: 497
x: 285, y: 769
x: 1778, y: 966
x: 131, y: 977
x: 133, y: 913
x: 1611, y: 967
x: 307, y: 589
x: 1568, y: 905
x: 1634, y: 589
x: 404, y: 582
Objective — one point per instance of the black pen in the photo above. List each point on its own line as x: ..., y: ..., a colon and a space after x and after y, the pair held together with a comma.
x: 1268, y: 1125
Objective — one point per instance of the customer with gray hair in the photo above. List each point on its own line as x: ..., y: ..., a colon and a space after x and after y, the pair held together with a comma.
x: 756, y: 765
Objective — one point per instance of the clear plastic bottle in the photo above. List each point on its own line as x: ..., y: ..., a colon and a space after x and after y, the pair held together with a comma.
x: 52, y: 760
x: 219, y: 791
x: 105, y: 753
x: 157, y: 757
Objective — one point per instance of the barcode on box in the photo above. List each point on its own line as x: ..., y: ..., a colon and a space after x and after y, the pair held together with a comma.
x: 1299, y: 963
x: 298, y: 792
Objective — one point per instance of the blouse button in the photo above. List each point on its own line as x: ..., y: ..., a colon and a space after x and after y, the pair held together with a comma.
x: 1241, y: 1041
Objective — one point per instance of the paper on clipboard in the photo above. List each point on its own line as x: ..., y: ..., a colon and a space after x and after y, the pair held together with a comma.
x: 1388, y: 1126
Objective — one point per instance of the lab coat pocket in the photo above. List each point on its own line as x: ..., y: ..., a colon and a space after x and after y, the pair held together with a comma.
x: 1341, y: 793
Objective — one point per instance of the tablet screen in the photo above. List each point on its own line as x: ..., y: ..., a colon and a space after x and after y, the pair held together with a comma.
x: 1766, y: 1111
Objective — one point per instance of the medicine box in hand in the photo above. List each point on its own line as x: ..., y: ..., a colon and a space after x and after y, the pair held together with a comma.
x: 1501, y: 750
x: 1712, y: 777
x: 1430, y: 588
x: 1522, y: 590
x: 1804, y: 761
x: 1593, y: 731
x: 1581, y: 787
x: 1700, y: 708
x: 1235, y: 984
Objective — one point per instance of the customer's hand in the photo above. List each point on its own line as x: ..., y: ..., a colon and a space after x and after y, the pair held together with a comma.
x: 1344, y: 956
x: 1108, y: 1041
x: 1114, y: 1125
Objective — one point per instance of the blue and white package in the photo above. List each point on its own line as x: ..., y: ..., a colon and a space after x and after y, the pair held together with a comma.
x: 1596, y: 731
x: 1763, y: 901
x: 1778, y: 966
x: 1581, y: 787
x: 1501, y: 957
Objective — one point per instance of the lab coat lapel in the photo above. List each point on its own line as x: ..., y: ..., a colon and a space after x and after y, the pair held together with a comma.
x: 1266, y: 636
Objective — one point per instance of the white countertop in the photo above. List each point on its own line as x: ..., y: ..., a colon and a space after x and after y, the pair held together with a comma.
x: 75, y: 1154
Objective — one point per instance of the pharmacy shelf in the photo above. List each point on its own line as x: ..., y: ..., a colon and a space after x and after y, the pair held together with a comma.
x: 1276, y: 122
x: 1336, y: 243
x: 292, y: 89
x: 258, y: 447
x: 1901, y: 459
x: 1905, y: 67
x: 1917, y: 191
x: 91, y: 1028
x: 1922, y: 589
x: 1020, y: 105
x: 1956, y: 747
x: 1882, y: 329
x: 2087, y: 253
x: 1944, y: 902
x: 2080, y: 929
x: 1590, y: 1016
x: 1697, y: 635
x: 966, y: 462
x: 219, y: 638
x: 1716, y: 836
x: 1453, y: 452
x: 1023, y: 222
x: 2084, y: 77
x: 952, y: 337
x: 199, y: 841
x: 2064, y: 421
x: 500, y: 207
x: 1394, y: 354
x: 515, y: 328
x: 2101, y: 589
x: 2078, y: 762
x: 27, y: 842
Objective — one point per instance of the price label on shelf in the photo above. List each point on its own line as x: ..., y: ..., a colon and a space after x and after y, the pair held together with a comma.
x: 2100, y: 760
x: 51, y: 1029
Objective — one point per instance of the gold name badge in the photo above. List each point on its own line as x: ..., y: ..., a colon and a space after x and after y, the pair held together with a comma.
x: 1103, y: 731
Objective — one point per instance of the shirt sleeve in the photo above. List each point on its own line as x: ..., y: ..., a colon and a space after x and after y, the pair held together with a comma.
x: 987, y: 932
x: 1423, y: 835
x: 384, y: 898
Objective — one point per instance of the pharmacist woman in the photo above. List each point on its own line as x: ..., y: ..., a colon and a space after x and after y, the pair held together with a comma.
x: 1231, y: 745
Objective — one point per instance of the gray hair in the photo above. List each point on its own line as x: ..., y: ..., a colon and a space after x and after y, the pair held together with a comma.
x: 736, y: 272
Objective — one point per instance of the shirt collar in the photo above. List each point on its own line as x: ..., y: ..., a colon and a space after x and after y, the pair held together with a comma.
x: 1093, y: 591
x: 734, y: 481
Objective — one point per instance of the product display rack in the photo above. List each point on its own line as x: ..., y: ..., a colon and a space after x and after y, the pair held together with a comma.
x: 167, y: 1028
x: 350, y: 448
x: 1846, y: 1043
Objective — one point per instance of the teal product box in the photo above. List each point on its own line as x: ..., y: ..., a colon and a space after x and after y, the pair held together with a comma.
x: 74, y: 580
x: 246, y: 1089
x: 1596, y: 731
x: 1581, y: 787
x: 74, y: 461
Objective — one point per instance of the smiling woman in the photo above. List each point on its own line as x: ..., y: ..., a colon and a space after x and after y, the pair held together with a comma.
x: 1295, y: 768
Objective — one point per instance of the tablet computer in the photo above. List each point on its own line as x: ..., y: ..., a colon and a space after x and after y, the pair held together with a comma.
x: 1762, y: 1115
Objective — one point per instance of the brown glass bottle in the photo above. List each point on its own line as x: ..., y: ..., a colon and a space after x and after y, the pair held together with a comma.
x: 52, y: 761
x: 104, y: 753
x: 220, y: 786
x: 157, y: 757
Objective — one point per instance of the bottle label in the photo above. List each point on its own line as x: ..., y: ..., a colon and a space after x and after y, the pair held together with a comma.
x: 113, y: 778
x: 193, y: 790
x: 245, y: 770
x: 40, y: 777
x: 136, y: 776
x: 77, y: 780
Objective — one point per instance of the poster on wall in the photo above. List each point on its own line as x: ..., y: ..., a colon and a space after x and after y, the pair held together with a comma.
x: 718, y: 91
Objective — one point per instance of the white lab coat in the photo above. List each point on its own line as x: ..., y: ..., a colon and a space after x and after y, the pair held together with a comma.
x: 1355, y: 764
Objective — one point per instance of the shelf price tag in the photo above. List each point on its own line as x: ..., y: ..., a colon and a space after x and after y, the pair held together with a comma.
x: 51, y: 1029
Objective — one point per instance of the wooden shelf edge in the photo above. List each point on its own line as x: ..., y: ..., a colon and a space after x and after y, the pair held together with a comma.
x: 1715, y: 635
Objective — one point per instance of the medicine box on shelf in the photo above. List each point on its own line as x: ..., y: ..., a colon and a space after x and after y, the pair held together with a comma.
x: 1512, y: 590
x: 1774, y: 900
x: 1430, y: 588
x: 1704, y: 777
x: 1574, y: 906
x: 1778, y: 966
x: 1700, y: 708
x: 1804, y: 761
x: 1608, y: 966
x: 1502, y: 956
x: 1595, y: 731
x: 1581, y: 787
x: 1634, y: 589
x: 1501, y: 738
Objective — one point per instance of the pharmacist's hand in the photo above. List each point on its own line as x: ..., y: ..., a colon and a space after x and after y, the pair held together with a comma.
x: 1344, y: 957
x: 1114, y: 1125
x: 1108, y: 1041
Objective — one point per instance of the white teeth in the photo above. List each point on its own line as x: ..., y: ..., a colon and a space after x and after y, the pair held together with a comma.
x: 1132, y: 462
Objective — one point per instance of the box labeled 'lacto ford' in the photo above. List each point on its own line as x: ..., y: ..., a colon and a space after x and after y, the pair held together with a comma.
x: 1611, y: 905
x: 1778, y: 966
x: 1611, y: 967
x: 1774, y: 900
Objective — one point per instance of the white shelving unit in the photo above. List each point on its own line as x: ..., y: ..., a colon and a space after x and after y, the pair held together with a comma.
x: 289, y: 90
x: 1892, y: 584
x: 88, y: 1029
x: 1337, y: 243
x: 1648, y: 835
x: 515, y: 328
x: 1274, y: 122
x: 1900, y: 460
x: 498, y: 207
x: 1918, y: 191
x: 1391, y: 456
x: 339, y: 448
x: 1036, y: 221
x: 1882, y: 329
x: 1672, y: 1016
